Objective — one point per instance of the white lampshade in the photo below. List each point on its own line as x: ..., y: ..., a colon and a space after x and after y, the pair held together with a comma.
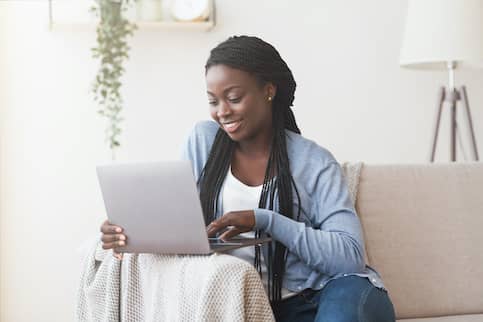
x: 441, y: 31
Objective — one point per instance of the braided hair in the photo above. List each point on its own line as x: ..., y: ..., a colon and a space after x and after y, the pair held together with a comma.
x: 260, y: 59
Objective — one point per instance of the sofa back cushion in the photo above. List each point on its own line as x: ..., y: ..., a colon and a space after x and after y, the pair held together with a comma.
x: 423, y: 228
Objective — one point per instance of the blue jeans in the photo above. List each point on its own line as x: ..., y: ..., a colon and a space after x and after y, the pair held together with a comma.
x: 345, y: 299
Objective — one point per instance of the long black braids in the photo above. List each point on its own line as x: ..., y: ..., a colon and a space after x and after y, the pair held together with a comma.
x: 262, y: 60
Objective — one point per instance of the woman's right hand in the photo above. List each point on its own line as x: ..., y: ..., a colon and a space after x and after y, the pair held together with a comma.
x: 112, y: 237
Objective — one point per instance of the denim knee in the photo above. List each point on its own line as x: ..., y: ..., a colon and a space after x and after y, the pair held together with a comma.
x: 351, y: 299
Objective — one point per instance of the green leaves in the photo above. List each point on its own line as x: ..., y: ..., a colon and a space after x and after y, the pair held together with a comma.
x: 111, y: 51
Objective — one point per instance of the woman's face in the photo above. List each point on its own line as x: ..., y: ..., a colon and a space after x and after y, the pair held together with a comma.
x: 239, y: 103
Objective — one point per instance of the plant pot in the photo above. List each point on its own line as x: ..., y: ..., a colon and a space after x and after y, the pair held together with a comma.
x: 149, y: 10
x: 111, y: 11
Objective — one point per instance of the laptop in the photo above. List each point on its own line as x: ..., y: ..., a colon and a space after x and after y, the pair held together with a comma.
x: 158, y: 206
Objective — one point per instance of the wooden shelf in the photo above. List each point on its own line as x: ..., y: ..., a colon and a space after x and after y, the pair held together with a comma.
x: 142, y: 25
x: 200, y: 25
x: 55, y: 25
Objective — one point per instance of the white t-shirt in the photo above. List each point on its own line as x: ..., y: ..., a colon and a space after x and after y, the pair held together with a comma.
x: 238, y: 196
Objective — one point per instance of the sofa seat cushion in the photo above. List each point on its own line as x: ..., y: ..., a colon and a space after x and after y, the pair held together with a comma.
x: 453, y: 318
x: 423, y: 228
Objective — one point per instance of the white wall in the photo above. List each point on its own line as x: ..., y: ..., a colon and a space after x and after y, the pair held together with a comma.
x: 352, y: 98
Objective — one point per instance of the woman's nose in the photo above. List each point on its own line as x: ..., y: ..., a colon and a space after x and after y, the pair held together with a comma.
x: 223, y: 109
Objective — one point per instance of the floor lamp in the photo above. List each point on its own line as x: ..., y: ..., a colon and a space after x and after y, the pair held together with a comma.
x: 445, y: 34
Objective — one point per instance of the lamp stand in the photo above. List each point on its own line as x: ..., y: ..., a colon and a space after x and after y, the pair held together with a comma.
x: 452, y: 96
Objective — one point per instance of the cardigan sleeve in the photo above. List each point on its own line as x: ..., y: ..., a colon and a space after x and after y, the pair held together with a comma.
x: 197, y: 145
x: 333, y: 243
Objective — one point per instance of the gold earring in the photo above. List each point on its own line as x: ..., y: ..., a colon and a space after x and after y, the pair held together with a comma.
x: 269, y: 98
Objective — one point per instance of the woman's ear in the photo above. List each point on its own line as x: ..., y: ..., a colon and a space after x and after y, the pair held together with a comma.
x: 270, y: 91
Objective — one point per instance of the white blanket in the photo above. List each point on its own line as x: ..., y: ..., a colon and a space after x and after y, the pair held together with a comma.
x: 151, y: 287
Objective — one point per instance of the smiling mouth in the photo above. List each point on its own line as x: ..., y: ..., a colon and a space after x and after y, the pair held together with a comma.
x: 231, y: 127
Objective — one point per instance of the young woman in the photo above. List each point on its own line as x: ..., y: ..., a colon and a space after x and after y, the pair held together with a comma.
x: 258, y: 176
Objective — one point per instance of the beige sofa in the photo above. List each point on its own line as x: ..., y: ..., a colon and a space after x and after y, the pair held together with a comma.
x: 423, y: 227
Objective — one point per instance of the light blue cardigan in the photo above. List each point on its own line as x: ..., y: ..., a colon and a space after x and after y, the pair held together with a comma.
x: 327, y: 242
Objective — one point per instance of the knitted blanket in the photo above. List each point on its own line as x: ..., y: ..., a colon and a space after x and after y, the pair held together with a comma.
x: 153, y: 287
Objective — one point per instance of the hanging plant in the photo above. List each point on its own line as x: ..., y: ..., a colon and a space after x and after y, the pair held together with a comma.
x: 112, y: 50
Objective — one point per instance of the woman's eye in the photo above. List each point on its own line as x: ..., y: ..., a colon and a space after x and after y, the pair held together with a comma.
x: 212, y: 103
x: 234, y: 99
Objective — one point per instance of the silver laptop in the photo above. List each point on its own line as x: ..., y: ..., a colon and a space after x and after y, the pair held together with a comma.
x: 157, y: 205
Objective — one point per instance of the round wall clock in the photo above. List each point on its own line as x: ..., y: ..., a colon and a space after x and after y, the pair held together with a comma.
x: 190, y: 10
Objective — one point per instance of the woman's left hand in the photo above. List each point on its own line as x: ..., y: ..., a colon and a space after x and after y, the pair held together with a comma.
x: 241, y: 222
